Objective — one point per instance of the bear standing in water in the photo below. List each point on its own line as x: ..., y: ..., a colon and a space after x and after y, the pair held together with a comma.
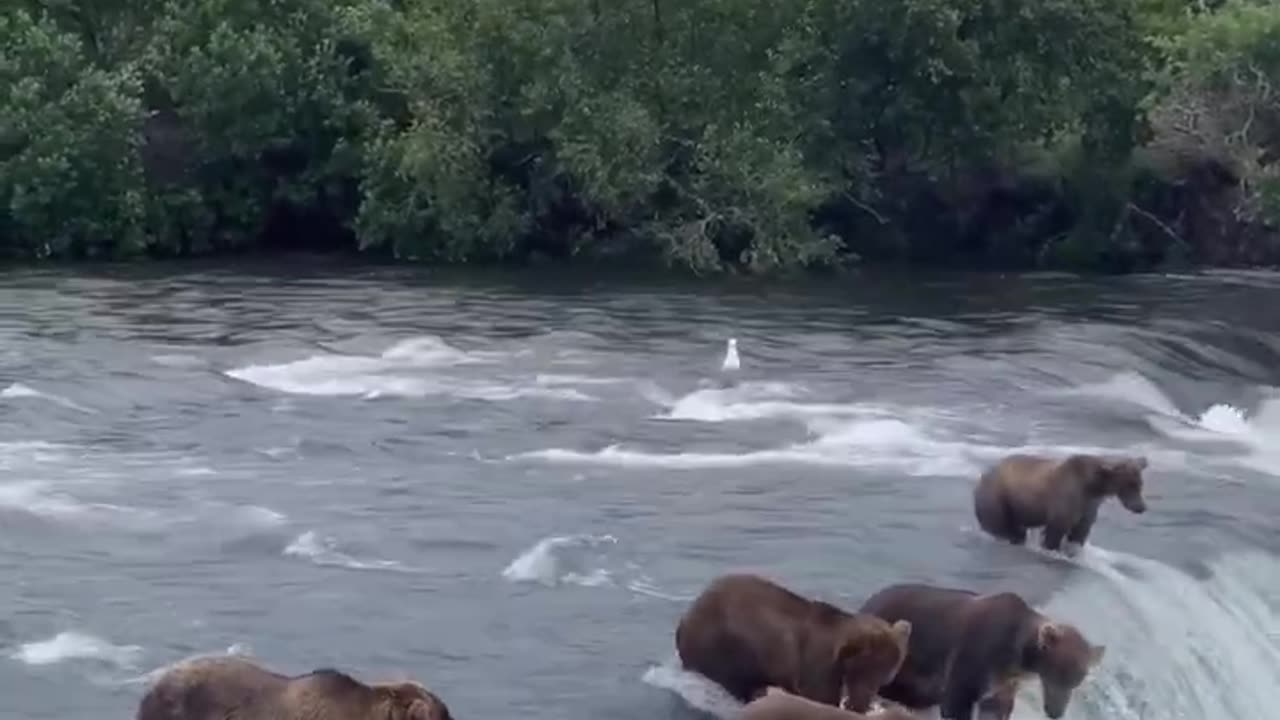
x: 968, y: 649
x: 746, y: 633
x: 218, y: 688
x: 1062, y: 496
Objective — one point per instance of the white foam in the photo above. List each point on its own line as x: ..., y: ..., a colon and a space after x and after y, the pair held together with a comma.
x: 559, y: 379
x: 333, y: 374
x: 34, y: 498
x: 581, y: 560
x: 38, y: 499
x: 700, y: 692
x: 764, y: 400
x: 430, y: 350
x: 1223, y: 422
x: 324, y: 551
x: 1177, y: 646
x: 18, y: 391
x: 259, y: 516
x: 1225, y: 419
x: 562, y: 559
x: 882, y: 443
x: 710, y: 406
x: 178, y: 360
x: 1131, y: 387
x: 72, y: 645
x: 411, y: 369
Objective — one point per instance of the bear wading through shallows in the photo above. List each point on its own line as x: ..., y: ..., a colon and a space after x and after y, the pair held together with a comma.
x: 218, y: 688
x: 969, y: 650
x: 747, y: 633
x: 1023, y: 492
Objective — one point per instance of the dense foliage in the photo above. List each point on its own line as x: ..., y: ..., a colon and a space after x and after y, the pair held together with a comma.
x: 706, y: 134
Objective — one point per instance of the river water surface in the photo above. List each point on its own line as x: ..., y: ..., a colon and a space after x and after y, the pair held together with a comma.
x: 510, y: 490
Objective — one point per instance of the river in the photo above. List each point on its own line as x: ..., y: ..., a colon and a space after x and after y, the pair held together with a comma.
x: 509, y: 486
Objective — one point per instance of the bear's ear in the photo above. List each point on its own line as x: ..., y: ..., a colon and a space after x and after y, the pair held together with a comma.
x: 1096, y: 652
x: 1114, y: 463
x: 1048, y: 635
x: 430, y: 709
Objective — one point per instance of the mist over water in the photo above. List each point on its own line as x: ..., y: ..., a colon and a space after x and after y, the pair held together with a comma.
x: 510, y: 488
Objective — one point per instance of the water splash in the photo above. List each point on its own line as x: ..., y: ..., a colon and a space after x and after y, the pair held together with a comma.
x: 413, y: 368
x: 1177, y: 646
x: 325, y: 551
x: 1225, y: 423
x: 700, y: 692
x: 1129, y: 387
x: 73, y: 645
x: 562, y: 559
x: 752, y: 400
x: 882, y: 443
x: 581, y: 560
x: 18, y: 391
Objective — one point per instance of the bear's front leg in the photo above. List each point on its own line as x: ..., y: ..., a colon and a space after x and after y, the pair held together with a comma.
x: 1051, y: 539
x: 1016, y: 535
x: 958, y: 706
x: 1080, y: 531
x: 966, y: 677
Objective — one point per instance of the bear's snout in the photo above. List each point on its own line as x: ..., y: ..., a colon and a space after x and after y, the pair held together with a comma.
x: 1134, y: 503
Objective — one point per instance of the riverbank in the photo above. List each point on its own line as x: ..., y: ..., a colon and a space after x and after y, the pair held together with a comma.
x: 701, y: 136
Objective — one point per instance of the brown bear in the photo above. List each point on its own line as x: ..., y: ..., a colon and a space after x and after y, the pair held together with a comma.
x: 217, y: 688
x: 968, y: 649
x: 746, y: 633
x: 778, y: 704
x: 1062, y: 496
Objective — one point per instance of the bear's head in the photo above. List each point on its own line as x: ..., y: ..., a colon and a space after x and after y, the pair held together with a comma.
x: 1063, y: 660
x: 1122, y: 477
x: 409, y: 701
x: 868, y: 654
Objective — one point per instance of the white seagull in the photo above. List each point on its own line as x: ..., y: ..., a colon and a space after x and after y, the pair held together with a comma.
x: 731, y: 356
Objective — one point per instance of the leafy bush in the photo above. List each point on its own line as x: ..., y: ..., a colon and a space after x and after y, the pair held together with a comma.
x: 707, y: 134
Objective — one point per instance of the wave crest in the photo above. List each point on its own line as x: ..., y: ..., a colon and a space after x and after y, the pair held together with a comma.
x: 74, y: 645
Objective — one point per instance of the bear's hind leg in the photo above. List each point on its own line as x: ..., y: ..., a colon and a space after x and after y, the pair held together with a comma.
x: 1011, y: 530
x: 996, y: 519
x: 745, y: 689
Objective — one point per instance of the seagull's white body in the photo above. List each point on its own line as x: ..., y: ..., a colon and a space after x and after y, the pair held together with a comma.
x: 731, y: 356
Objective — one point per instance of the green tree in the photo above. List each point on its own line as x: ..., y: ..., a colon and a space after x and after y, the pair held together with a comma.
x: 70, y: 181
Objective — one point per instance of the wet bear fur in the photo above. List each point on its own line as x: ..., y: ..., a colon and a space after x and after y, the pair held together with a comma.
x: 1060, y: 495
x: 747, y: 633
x: 968, y: 649
x: 778, y: 704
x: 223, y: 688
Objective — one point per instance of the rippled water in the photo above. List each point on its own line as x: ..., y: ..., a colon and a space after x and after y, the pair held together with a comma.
x: 510, y: 490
